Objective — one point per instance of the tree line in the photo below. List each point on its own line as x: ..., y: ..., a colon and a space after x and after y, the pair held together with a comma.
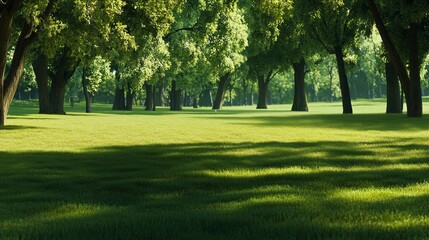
x: 203, y: 52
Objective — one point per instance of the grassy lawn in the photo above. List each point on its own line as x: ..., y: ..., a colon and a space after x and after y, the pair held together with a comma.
x: 231, y: 174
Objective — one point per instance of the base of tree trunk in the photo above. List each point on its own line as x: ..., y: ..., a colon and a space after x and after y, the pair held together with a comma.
x: 220, y: 95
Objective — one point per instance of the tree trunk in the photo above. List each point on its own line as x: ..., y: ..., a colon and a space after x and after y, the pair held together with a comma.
x: 222, y: 87
x: 6, y: 20
x: 40, y: 67
x: 149, y: 102
x: 64, y: 72
x: 344, y: 85
x: 176, y: 98
x: 195, y: 102
x: 129, y: 98
x: 11, y: 82
x: 56, y: 97
x: 300, y: 96
x: 395, y: 58
x: 85, y: 83
x: 415, y: 107
x: 394, y: 104
x: 159, y: 94
x: 119, y: 101
x: 263, y: 93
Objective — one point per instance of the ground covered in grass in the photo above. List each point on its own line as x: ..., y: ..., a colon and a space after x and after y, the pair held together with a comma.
x: 231, y: 174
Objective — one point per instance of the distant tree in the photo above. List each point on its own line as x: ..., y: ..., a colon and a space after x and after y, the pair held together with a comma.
x: 80, y: 31
x: 266, y: 57
x: 334, y: 24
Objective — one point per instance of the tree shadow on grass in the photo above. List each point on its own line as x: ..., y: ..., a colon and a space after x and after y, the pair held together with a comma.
x: 359, y: 122
x: 270, y: 190
x: 16, y: 127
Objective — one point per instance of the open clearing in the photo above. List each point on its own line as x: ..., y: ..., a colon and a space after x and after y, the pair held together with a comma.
x: 231, y: 174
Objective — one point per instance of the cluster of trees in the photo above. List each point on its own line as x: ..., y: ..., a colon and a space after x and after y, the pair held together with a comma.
x: 203, y: 52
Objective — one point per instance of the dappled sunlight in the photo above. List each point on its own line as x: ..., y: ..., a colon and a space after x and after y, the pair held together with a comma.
x: 74, y: 211
x: 311, y: 176
x: 380, y: 194
x: 301, y: 170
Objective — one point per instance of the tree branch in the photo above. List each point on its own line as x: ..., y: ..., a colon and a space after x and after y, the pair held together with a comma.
x: 193, y: 28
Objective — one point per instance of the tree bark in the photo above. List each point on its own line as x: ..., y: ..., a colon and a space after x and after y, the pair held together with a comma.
x: 263, y: 93
x: 394, y: 104
x: 129, y: 98
x: 159, y: 94
x: 64, y: 71
x: 40, y: 68
x: 344, y: 85
x: 415, y: 107
x: 11, y: 82
x: 300, y: 96
x: 220, y: 95
x: 149, y: 102
x: 86, y: 93
x: 7, y: 13
x: 119, y: 102
x: 176, y: 98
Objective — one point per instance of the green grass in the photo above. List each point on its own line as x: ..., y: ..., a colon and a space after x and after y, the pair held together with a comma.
x: 231, y: 174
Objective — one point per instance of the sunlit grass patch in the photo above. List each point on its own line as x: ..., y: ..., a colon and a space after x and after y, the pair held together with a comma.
x: 231, y: 174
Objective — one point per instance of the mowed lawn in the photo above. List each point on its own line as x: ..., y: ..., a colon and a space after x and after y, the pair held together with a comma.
x: 237, y: 173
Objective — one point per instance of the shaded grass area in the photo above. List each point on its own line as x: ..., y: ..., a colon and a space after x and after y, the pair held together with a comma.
x: 233, y: 174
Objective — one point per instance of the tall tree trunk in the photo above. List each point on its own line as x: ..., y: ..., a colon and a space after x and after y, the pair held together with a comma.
x: 176, y: 98
x: 263, y: 93
x: 149, y: 102
x: 11, y: 82
x: 40, y: 67
x: 159, y: 94
x: 415, y: 95
x: 86, y: 93
x: 129, y: 98
x: 221, y: 90
x: 119, y: 101
x: 344, y: 85
x: 394, y: 104
x: 395, y: 58
x: 6, y: 20
x: 300, y: 96
x: 27, y: 36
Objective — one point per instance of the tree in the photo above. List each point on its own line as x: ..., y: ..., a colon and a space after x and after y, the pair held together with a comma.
x: 34, y: 17
x: 266, y: 57
x: 411, y: 15
x: 80, y: 31
x: 208, y: 37
x: 334, y: 24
